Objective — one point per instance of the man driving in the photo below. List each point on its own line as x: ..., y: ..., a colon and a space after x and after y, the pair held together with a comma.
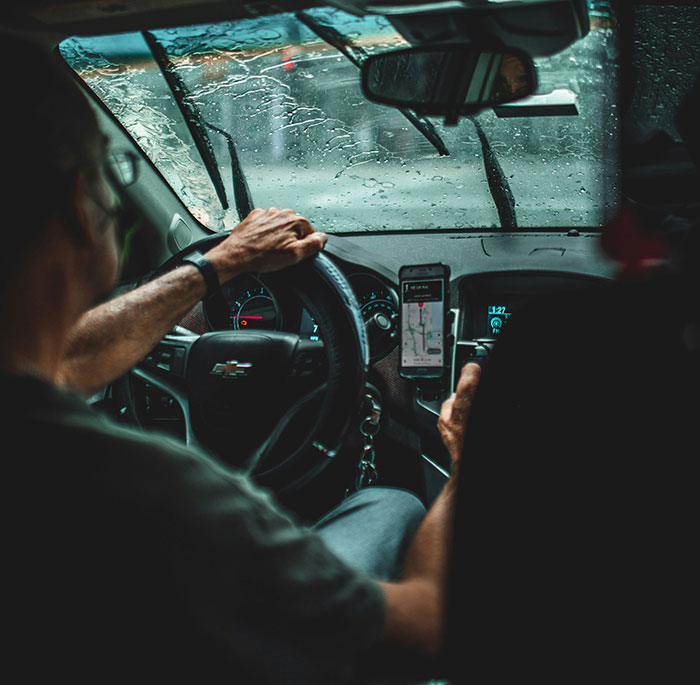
x: 132, y: 556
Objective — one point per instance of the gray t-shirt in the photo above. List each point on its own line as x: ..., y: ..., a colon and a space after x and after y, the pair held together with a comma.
x: 130, y: 555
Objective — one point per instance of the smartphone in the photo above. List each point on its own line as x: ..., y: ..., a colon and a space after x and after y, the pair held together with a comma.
x: 424, y: 307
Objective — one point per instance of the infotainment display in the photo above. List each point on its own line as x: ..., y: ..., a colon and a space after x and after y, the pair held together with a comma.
x: 496, y: 317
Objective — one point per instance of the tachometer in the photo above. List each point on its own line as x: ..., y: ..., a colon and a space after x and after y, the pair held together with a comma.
x: 380, y: 310
x: 251, y: 305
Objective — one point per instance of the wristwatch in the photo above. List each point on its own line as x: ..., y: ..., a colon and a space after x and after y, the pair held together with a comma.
x: 211, y: 278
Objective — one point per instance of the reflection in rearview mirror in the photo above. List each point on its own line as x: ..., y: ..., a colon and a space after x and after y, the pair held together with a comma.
x: 449, y: 80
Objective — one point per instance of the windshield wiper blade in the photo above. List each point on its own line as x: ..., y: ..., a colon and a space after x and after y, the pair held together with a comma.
x: 197, y: 126
x: 193, y: 118
x: 357, y: 55
x: 498, y: 183
x: 241, y: 191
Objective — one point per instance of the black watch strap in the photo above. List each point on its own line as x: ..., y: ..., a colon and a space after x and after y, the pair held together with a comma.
x: 205, y: 267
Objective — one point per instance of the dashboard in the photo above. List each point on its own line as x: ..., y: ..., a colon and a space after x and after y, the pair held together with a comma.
x: 487, y: 301
x: 493, y: 276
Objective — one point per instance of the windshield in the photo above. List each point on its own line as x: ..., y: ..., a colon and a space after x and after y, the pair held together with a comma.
x: 268, y: 103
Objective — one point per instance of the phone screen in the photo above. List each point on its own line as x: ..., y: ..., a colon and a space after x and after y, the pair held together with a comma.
x: 422, y: 323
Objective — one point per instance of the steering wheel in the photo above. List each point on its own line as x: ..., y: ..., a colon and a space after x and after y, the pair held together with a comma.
x: 270, y: 403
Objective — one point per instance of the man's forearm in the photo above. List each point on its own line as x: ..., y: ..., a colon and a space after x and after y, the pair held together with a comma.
x: 427, y: 556
x: 111, y: 338
x: 108, y: 340
x: 415, y: 604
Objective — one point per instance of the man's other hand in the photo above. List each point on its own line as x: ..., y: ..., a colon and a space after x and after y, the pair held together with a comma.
x: 455, y: 410
x: 266, y: 240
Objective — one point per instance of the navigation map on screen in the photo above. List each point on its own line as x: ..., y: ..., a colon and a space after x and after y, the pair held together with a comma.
x: 422, y: 321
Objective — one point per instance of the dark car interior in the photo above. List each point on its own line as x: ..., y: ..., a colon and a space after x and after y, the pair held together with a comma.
x: 300, y: 376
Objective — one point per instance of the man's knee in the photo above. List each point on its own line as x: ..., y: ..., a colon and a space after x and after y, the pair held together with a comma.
x: 372, y: 529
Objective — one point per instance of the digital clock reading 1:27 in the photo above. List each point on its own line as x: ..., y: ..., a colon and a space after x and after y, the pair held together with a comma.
x: 496, y: 318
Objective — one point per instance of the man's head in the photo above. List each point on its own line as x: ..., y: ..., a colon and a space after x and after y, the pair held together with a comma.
x: 512, y: 79
x: 53, y: 155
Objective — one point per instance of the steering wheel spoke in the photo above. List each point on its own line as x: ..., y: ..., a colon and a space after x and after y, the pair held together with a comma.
x: 164, y: 367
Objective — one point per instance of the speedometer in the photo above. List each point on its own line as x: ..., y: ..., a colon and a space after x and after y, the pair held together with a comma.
x: 380, y: 311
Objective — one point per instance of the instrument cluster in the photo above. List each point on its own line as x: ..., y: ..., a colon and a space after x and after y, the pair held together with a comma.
x: 247, y: 302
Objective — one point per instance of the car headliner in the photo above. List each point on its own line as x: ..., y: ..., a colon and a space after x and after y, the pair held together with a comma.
x: 93, y: 17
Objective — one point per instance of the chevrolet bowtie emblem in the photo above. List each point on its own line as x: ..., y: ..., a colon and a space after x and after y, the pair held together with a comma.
x: 232, y: 369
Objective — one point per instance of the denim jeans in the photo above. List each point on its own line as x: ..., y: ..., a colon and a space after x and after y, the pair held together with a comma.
x: 372, y: 529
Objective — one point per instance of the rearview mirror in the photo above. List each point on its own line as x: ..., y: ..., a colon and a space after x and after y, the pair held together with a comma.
x: 451, y: 80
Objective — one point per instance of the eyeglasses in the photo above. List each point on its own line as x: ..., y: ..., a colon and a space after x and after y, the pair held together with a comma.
x: 119, y: 170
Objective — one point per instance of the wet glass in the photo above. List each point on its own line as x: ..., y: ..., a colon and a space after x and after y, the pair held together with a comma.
x: 664, y: 69
x: 306, y: 138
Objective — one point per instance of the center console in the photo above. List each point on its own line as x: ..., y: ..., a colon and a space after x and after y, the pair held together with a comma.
x: 485, y: 304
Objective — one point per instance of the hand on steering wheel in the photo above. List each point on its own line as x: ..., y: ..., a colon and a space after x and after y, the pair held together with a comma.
x: 266, y: 240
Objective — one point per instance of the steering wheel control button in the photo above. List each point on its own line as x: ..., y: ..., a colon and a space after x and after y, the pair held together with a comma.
x: 308, y: 358
x: 165, y: 360
x: 170, y: 359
